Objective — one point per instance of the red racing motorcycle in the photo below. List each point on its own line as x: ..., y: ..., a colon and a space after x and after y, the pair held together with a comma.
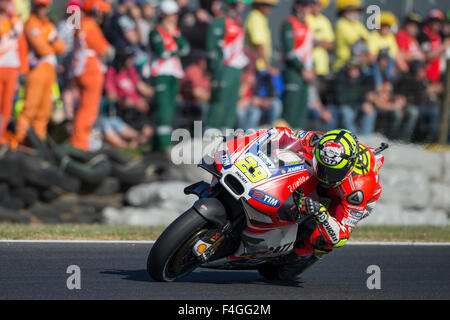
x: 246, y: 218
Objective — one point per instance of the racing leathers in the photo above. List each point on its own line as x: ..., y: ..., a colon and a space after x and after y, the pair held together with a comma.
x: 336, y: 210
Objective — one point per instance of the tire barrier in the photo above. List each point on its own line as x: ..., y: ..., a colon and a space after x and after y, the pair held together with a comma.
x: 42, y: 175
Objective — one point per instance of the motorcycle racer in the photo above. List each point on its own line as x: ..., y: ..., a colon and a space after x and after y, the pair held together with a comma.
x: 345, y: 186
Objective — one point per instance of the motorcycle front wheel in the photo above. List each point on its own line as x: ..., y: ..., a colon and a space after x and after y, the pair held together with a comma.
x: 171, y: 257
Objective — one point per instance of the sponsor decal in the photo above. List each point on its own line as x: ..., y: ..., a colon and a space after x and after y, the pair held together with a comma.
x: 215, y: 237
x: 201, y: 248
x: 301, y: 134
x: 330, y: 232
x: 241, y: 177
x: 357, y: 208
x: 353, y: 218
x: 225, y: 159
x: 264, y: 197
x: 350, y: 222
x: 331, y: 153
x: 355, y: 214
x: 322, y: 217
x: 296, y: 168
x: 297, y: 184
x: 265, y: 159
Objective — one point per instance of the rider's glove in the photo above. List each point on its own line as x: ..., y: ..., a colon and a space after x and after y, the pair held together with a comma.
x: 313, y: 208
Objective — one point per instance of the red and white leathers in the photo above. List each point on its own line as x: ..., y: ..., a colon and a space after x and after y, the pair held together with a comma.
x: 346, y: 203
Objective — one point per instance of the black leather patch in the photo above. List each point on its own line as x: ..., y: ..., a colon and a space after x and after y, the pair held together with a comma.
x: 356, y: 198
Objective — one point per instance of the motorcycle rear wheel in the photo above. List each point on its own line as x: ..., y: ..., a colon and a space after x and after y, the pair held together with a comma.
x: 171, y: 257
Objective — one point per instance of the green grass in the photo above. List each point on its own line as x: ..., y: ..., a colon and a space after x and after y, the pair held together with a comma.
x: 103, y: 232
x: 402, y: 233
x: 78, y: 232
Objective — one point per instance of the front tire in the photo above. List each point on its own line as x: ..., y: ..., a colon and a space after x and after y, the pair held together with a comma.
x: 171, y: 256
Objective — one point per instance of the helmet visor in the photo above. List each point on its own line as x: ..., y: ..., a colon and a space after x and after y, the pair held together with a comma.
x: 329, y: 176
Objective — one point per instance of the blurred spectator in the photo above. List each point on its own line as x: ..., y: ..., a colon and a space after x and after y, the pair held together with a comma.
x: 353, y: 89
x: 91, y: 49
x: 226, y: 59
x: 258, y: 35
x: 167, y: 46
x: 248, y: 116
x: 324, y: 37
x: 116, y: 132
x: 383, y: 68
x: 23, y: 9
x: 213, y: 8
x: 13, y: 62
x: 383, y: 40
x: 446, y: 26
x: 146, y: 21
x: 268, y: 97
x: 390, y: 106
x: 422, y: 101
x: 407, y: 38
x: 194, y: 26
x: 128, y: 92
x: 297, y: 47
x: 390, y: 109
x: 123, y: 84
x: 431, y: 42
x: 184, y: 8
x: 349, y: 30
x: 321, y: 117
x: 44, y: 46
x: 446, y: 39
x: 360, y: 52
x: 66, y: 32
x: 195, y: 89
x: 122, y: 30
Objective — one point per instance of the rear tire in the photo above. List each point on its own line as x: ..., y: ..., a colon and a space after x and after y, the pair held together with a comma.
x: 167, y: 256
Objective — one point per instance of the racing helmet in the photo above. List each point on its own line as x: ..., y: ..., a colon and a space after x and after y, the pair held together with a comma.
x: 335, y: 157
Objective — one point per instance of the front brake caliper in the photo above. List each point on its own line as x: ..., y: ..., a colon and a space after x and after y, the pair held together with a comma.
x: 207, y: 245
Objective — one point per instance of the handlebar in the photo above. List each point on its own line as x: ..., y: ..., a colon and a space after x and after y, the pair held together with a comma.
x: 381, y: 148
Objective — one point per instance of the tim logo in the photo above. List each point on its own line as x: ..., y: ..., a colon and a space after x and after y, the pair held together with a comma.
x: 265, y: 198
x: 225, y: 159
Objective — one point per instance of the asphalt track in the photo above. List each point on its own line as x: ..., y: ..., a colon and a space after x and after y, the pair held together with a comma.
x: 118, y: 271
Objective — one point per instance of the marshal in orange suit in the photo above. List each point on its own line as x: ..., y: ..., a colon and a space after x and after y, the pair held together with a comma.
x: 13, y: 60
x: 91, y: 49
x: 44, y: 46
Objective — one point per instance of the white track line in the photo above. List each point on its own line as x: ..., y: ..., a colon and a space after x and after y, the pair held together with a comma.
x: 399, y: 243
x: 80, y: 241
x: 355, y: 243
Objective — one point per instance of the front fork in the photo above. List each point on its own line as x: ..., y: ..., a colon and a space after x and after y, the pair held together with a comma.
x: 205, y: 248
